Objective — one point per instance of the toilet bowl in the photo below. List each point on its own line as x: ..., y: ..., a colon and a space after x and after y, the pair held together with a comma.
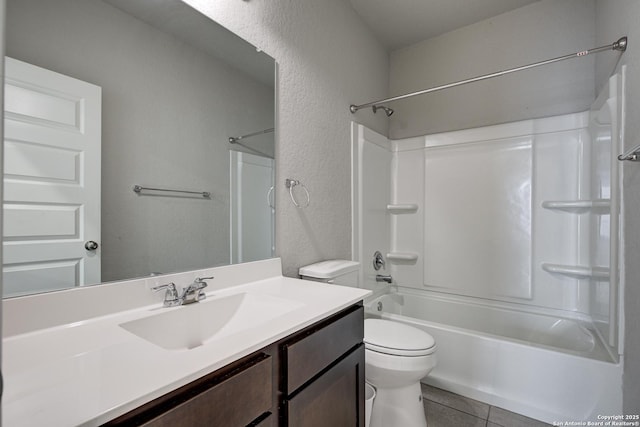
x: 397, y: 357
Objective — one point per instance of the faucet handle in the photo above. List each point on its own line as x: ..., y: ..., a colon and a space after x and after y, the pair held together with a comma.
x: 171, y: 297
x: 168, y: 286
x: 199, y: 284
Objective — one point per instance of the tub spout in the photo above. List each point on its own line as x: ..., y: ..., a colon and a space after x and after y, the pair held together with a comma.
x: 382, y: 278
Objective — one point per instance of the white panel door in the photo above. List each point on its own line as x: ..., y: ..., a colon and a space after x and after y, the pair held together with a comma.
x: 51, y: 205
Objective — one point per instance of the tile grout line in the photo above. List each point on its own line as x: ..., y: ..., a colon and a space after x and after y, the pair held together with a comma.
x: 486, y: 420
x: 490, y: 409
x: 459, y: 410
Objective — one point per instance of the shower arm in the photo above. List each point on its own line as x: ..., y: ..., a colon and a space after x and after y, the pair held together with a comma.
x: 619, y: 45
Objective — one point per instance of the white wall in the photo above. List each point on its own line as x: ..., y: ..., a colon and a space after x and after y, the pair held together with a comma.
x: 327, y: 60
x: 168, y: 110
x: 615, y: 19
x: 539, y: 31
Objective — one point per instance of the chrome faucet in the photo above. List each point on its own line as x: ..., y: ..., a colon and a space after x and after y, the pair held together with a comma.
x: 171, y: 298
x: 382, y: 278
x: 192, y: 293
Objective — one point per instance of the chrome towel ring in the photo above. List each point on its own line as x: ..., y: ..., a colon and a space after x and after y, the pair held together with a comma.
x: 290, y: 183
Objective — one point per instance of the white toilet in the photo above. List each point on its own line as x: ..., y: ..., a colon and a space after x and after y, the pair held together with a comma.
x: 397, y: 356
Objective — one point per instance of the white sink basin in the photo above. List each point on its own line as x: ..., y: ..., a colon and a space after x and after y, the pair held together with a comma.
x: 197, y: 324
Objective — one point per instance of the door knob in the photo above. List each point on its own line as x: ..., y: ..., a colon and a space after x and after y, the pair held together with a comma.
x: 91, y: 245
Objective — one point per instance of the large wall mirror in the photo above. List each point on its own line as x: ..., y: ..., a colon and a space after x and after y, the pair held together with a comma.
x: 102, y: 96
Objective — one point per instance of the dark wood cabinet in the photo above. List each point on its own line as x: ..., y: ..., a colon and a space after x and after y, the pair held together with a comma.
x: 237, y: 395
x: 308, y: 354
x: 325, y: 373
x: 312, y: 378
x: 334, y: 399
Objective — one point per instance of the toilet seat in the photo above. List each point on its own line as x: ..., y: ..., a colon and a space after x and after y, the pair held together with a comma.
x: 397, y: 339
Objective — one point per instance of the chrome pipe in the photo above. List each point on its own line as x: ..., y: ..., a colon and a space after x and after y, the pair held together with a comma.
x: 619, y: 45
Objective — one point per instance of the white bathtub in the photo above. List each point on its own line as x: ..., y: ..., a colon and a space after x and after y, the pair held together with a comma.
x: 547, y: 368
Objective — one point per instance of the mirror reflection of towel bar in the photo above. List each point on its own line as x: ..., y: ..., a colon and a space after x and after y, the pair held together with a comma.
x: 139, y: 188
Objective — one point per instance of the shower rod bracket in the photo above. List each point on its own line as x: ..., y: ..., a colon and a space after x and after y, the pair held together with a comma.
x: 633, y: 155
x: 619, y: 45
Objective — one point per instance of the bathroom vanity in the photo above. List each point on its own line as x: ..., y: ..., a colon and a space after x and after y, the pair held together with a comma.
x: 288, y: 352
x: 314, y: 377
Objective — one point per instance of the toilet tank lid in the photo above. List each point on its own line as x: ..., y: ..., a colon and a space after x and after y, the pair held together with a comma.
x: 329, y: 269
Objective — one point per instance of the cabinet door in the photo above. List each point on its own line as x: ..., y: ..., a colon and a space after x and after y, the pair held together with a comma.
x: 334, y: 399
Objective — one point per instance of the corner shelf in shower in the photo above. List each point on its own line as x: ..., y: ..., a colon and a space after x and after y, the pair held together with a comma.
x: 577, y: 271
x: 402, y: 257
x: 399, y: 209
x: 598, y: 206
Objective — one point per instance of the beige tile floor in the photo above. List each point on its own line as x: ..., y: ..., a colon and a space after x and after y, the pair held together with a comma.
x: 446, y: 409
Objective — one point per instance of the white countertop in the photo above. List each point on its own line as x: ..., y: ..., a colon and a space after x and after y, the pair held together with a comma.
x: 91, y: 371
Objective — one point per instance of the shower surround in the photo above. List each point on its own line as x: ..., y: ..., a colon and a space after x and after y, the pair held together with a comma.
x: 503, y: 243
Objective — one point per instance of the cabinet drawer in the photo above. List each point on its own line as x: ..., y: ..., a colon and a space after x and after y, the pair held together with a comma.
x: 269, y: 421
x: 234, y: 398
x: 312, y: 352
x: 236, y: 401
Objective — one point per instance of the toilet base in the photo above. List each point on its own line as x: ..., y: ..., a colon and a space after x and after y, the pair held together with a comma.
x: 398, y: 407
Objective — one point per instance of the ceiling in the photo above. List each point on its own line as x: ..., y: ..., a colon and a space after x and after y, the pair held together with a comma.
x: 400, y: 23
x: 182, y: 21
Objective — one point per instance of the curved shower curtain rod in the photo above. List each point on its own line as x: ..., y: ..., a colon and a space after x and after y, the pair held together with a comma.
x: 619, y: 45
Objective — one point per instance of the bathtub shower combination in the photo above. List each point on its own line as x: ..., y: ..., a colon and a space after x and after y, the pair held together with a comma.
x: 503, y: 244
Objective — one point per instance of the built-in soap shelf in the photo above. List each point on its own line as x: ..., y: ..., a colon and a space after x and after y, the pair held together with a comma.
x: 602, y: 206
x: 405, y: 208
x: 402, y: 257
x: 577, y: 271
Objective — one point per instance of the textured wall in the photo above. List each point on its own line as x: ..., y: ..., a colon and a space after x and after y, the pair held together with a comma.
x: 539, y: 31
x: 327, y: 60
x: 616, y: 19
x: 168, y: 110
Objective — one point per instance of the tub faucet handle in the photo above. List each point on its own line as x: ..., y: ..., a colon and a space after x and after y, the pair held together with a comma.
x: 378, y: 261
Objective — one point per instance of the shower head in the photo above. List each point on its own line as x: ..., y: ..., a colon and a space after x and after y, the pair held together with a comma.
x: 388, y: 111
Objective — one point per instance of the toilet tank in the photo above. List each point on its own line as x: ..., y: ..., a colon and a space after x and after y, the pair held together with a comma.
x: 336, y: 271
